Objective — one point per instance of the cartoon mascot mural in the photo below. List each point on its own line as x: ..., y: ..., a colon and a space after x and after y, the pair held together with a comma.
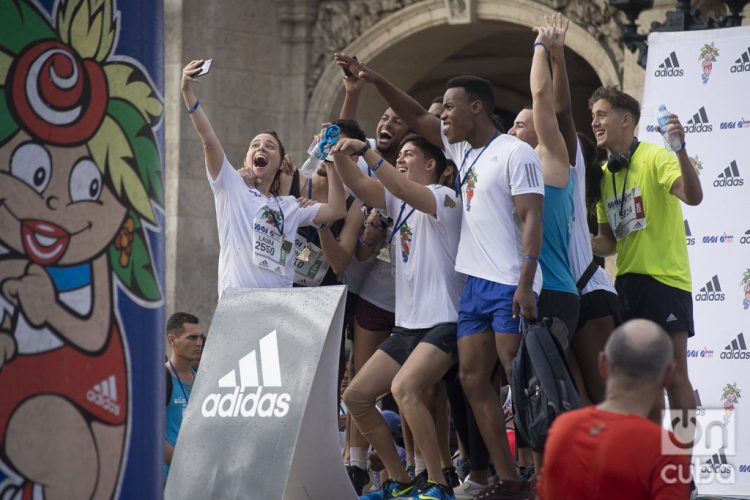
x: 80, y: 178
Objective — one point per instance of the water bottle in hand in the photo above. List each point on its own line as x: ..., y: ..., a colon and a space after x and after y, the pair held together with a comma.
x: 318, y: 151
x: 671, y: 141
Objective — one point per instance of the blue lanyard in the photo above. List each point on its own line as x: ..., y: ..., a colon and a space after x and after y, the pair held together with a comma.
x: 308, y: 229
x: 399, y: 222
x: 280, y: 229
x: 620, y: 202
x: 177, y: 376
x: 471, y: 167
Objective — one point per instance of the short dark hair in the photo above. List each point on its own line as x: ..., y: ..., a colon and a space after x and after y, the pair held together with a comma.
x: 437, y: 100
x: 176, y: 322
x: 351, y: 129
x: 619, y: 100
x: 477, y: 88
x: 429, y: 150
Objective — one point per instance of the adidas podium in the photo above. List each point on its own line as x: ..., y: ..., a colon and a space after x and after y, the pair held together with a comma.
x: 261, y: 422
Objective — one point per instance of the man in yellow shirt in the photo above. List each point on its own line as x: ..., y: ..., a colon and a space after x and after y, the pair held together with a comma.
x: 640, y: 218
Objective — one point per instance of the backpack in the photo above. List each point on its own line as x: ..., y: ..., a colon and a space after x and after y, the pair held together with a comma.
x: 543, y: 386
x: 169, y: 386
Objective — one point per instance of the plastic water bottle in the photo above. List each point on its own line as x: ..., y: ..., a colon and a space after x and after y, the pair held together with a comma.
x: 671, y: 141
x: 318, y: 151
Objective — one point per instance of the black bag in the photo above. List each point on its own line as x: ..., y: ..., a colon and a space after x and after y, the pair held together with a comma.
x: 543, y: 386
x: 169, y: 386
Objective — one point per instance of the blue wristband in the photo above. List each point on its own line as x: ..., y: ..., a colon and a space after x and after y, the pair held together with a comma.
x: 377, y: 165
x: 531, y: 258
x: 190, y: 111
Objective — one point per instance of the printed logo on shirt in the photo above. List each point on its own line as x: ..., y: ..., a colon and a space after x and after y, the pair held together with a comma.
x: 730, y: 177
x: 238, y: 404
x: 689, y: 239
x: 742, y: 63
x: 711, y: 291
x: 406, y: 234
x: 736, y: 349
x: 271, y: 216
x: 669, y: 68
x: 699, y: 122
x: 471, y: 183
x: 104, y: 394
x: 449, y: 202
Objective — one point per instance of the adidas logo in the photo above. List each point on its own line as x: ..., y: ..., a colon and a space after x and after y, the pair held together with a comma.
x: 671, y: 318
x: 236, y: 403
x: 670, y: 67
x: 698, y: 403
x: 689, y: 239
x: 717, y: 463
x: 699, y: 122
x: 104, y: 394
x: 736, y: 349
x: 745, y: 240
x: 742, y: 63
x: 711, y: 291
x: 730, y: 177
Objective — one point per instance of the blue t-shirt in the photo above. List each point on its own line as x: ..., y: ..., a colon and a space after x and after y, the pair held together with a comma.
x: 558, y: 212
x: 177, y: 403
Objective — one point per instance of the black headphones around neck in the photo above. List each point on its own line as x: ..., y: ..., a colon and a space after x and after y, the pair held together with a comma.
x: 618, y: 161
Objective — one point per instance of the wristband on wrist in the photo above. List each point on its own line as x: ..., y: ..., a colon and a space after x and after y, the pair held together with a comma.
x: 364, y: 149
x: 191, y: 110
x: 375, y: 167
x: 682, y: 146
x: 531, y: 258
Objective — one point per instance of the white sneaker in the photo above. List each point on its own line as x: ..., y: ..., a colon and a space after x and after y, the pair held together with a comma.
x: 468, y: 490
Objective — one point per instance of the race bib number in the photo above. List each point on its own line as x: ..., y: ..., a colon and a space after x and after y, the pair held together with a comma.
x: 310, y: 271
x: 629, y: 217
x: 270, y: 249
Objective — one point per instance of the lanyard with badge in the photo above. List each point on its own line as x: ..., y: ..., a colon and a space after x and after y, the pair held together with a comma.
x: 626, y: 213
x: 397, y: 227
x: 182, y: 387
x: 270, y: 250
x: 310, y: 265
x: 460, y: 182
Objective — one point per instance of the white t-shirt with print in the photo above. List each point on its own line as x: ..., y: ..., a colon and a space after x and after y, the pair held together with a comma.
x: 237, y: 205
x: 491, y: 246
x: 580, y: 253
x: 423, y: 250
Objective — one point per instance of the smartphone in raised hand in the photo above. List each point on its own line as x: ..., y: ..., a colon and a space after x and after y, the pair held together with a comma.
x: 205, y: 67
x: 348, y: 73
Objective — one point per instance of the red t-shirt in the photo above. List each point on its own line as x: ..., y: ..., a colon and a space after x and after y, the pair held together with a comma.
x: 591, y: 453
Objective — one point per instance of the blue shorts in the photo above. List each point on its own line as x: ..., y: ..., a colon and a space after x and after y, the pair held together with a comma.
x: 486, y: 306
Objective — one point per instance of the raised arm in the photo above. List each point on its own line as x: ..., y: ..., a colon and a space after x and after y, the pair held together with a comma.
x: 212, y: 148
x: 352, y: 89
x: 413, y: 193
x: 552, y: 151
x: 561, y: 86
x: 413, y: 114
x: 367, y: 189
x: 335, y: 208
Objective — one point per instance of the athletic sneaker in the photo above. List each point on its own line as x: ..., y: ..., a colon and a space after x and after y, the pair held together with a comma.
x: 359, y: 477
x: 420, y: 481
x: 468, y: 489
x: 434, y: 491
x: 463, y: 467
x: 451, y: 476
x: 390, y: 489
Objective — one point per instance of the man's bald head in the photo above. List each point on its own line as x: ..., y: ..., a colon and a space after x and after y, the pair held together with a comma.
x: 638, y: 350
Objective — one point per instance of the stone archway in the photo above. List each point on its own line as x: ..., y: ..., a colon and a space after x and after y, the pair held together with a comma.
x: 416, y: 41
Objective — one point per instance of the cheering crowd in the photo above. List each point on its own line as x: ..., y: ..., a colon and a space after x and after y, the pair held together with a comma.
x: 453, y: 238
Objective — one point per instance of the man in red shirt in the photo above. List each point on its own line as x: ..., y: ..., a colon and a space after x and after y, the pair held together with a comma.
x: 613, y: 451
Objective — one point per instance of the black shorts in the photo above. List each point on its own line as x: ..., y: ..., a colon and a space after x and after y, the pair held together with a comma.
x: 561, y: 305
x: 403, y: 341
x: 373, y: 318
x: 644, y: 297
x: 598, y: 304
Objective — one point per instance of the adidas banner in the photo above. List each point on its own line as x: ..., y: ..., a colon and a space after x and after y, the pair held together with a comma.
x: 704, y: 78
x: 261, y: 421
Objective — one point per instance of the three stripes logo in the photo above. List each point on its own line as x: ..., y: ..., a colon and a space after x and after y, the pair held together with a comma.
x: 104, y: 394
x: 745, y: 239
x: 717, y: 463
x: 730, y: 177
x: 234, y: 402
x: 699, y: 122
x: 711, y: 292
x: 736, y: 349
x: 742, y: 63
x: 531, y: 174
x: 669, y: 68
x: 689, y: 238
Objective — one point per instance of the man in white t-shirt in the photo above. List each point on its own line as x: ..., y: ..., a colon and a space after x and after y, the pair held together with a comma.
x: 422, y: 347
x: 502, y: 189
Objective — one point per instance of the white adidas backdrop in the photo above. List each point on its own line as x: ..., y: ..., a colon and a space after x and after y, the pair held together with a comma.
x: 704, y: 78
